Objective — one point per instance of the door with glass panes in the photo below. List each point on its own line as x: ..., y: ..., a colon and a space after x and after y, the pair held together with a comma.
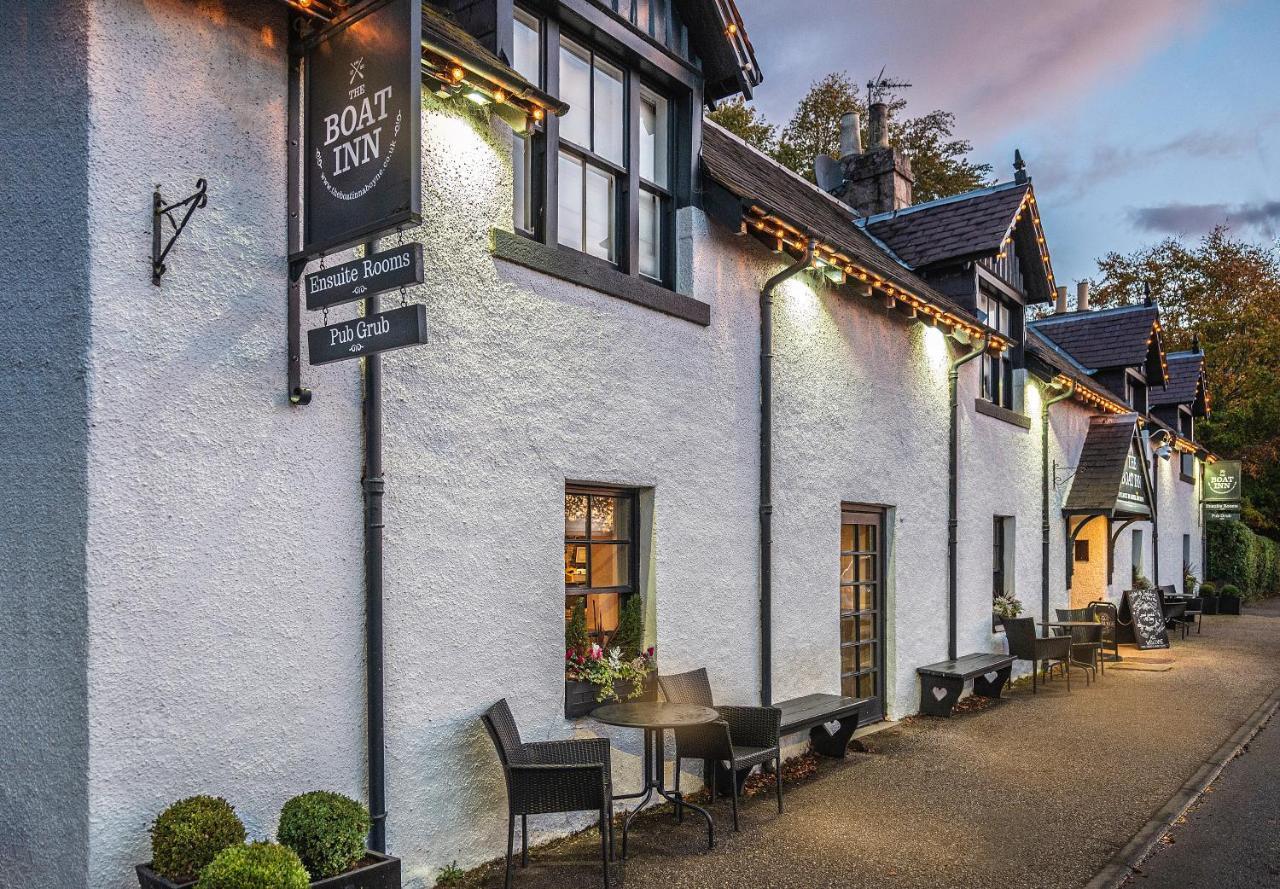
x: 862, y: 607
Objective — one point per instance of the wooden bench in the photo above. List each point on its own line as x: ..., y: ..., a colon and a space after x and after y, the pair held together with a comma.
x: 942, y: 683
x: 816, y: 713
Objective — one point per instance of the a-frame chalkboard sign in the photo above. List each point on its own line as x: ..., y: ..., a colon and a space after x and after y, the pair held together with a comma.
x: 1142, y: 613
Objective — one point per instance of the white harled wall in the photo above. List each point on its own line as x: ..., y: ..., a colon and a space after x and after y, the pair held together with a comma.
x: 224, y: 558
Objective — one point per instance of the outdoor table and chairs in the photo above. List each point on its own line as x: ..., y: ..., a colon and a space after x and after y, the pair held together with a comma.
x: 654, y: 719
x: 1085, y: 636
x: 1046, y: 651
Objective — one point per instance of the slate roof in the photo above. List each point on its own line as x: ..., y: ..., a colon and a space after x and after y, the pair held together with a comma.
x: 1186, y: 375
x: 971, y: 224
x: 1096, y: 483
x: 757, y: 179
x: 1104, y: 337
x: 1044, y: 350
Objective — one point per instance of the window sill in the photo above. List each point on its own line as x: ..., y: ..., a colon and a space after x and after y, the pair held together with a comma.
x: 1013, y: 418
x: 1186, y: 478
x: 587, y: 271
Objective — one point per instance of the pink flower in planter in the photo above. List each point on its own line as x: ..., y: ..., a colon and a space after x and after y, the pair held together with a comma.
x: 596, y: 652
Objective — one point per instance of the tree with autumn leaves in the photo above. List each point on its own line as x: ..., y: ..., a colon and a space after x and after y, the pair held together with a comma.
x: 1225, y: 291
x: 938, y: 159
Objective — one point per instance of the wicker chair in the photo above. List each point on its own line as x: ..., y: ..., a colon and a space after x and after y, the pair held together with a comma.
x: 1084, y: 640
x: 1025, y: 645
x: 743, y: 738
x: 551, y: 776
x: 1108, y: 615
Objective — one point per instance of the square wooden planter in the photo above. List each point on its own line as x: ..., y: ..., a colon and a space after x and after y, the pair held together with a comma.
x: 375, y: 872
x: 1228, y: 604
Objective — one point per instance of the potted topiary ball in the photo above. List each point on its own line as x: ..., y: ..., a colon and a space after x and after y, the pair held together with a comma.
x: 1229, y: 599
x: 1209, y: 597
x: 327, y: 831
x: 186, y: 837
x: 255, y: 866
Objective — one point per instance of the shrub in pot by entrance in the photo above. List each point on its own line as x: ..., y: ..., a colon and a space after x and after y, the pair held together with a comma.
x: 1209, y: 597
x: 185, y: 838
x: 1229, y: 599
x: 327, y: 832
x: 255, y: 866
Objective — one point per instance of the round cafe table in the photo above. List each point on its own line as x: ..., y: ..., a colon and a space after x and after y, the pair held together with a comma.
x: 655, y: 718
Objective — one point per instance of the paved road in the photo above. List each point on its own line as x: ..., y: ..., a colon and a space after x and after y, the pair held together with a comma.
x: 1231, y: 838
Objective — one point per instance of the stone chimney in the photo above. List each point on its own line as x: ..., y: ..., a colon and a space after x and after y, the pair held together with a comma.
x: 879, y: 179
x: 1082, y: 296
x: 1061, y: 307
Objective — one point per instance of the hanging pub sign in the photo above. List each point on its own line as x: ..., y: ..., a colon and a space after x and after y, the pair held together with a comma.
x: 1222, y: 490
x: 371, y: 275
x: 362, y: 145
x: 405, y: 326
x: 1132, y: 496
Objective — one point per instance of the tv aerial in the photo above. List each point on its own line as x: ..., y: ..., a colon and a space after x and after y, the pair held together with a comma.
x: 881, y: 88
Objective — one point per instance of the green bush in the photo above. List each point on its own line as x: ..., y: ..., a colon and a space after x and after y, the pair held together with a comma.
x: 1244, y: 559
x: 255, y: 866
x: 326, y: 829
x: 629, y: 636
x: 1208, y: 589
x: 190, y: 833
x: 1231, y: 590
x: 576, y: 638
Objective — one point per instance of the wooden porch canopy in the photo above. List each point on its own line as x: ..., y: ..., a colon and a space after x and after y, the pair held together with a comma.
x: 1111, y: 481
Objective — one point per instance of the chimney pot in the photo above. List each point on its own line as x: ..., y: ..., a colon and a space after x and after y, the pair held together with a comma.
x: 850, y: 135
x: 1082, y: 296
x: 1061, y: 307
x: 878, y: 125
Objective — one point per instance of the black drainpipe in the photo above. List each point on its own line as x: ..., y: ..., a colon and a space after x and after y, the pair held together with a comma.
x: 953, y: 493
x: 766, y: 470
x: 373, y: 524
x: 1044, y: 496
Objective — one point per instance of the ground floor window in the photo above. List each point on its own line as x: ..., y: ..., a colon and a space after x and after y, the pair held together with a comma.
x: 1186, y: 559
x: 1001, y: 559
x: 600, y: 557
x: 862, y: 605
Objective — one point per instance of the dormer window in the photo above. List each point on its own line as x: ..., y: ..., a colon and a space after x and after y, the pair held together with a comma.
x: 599, y: 179
x: 1135, y: 392
x: 1005, y: 317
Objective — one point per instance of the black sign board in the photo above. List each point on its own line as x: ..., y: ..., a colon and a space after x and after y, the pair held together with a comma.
x: 406, y: 326
x: 1132, y: 496
x: 362, y: 145
x: 1143, y: 609
x: 359, y: 278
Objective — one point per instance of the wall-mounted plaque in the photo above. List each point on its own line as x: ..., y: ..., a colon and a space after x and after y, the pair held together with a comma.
x: 396, y: 329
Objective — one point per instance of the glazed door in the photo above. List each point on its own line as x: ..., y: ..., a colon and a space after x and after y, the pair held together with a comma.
x: 862, y: 607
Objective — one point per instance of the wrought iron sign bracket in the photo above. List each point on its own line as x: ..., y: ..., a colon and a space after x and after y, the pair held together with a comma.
x: 159, y: 209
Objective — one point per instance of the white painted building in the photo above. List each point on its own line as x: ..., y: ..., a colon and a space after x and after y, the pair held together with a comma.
x: 181, y: 564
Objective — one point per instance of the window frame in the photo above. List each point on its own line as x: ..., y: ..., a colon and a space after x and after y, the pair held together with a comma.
x: 639, y: 74
x: 1003, y: 362
x: 625, y: 591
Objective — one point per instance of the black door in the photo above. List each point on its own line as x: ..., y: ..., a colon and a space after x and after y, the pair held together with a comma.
x: 862, y: 607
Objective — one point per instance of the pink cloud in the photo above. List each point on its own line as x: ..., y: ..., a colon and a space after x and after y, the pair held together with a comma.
x: 993, y: 62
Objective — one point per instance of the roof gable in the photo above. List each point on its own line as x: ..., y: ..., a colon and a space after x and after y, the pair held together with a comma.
x: 719, y: 37
x: 1110, y: 478
x: 1128, y: 336
x: 1186, y: 383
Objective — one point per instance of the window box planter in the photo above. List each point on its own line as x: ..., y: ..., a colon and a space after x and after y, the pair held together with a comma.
x: 580, y: 697
x: 375, y: 871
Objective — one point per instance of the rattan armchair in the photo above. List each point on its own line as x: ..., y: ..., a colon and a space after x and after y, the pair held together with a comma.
x: 743, y: 738
x: 548, y: 777
x: 1025, y: 645
x: 1086, y: 641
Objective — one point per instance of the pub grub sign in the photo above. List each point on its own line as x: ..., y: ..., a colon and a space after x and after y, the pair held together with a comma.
x: 362, y: 141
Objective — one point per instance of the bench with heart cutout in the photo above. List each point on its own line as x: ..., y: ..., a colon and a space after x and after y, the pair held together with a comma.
x: 942, y: 683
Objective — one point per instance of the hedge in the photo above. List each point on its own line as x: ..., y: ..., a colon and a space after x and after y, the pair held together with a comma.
x: 1239, y: 556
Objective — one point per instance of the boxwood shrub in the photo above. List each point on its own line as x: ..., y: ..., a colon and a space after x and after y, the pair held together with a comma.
x: 190, y: 833
x: 255, y: 866
x: 326, y: 829
x: 1247, y: 560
